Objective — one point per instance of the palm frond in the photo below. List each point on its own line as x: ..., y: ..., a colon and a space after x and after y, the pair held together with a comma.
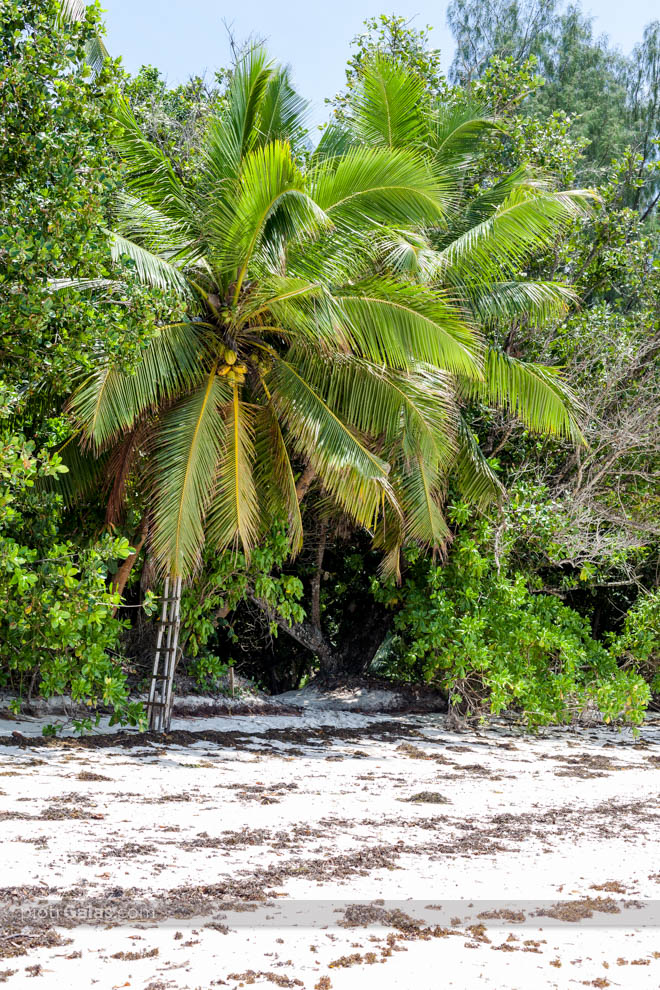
x: 272, y: 205
x: 415, y: 486
x: 274, y: 477
x: 537, y: 301
x: 408, y: 253
x: 355, y: 476
x: 337, y: 257
x: 124, y: 461
x: 385, y: 105
x: 147, y: 225
x: 398, y: 324
x: 110, y: 400
x: 82, y: 284
x: 297, y: 307
x: 532, y: 392
x: 524, y: 224
x: 454, y: 134
x: 235, y: 131
x: 234, y: 517
x: 245, y: 96
x: 151, y: 269
x: 482, y: 206
x: 334, y: 142
x: 187, y: 451
x: 474, y: 478
x: 283, y: 112
x: 369, y: 187
x: 413, y: 410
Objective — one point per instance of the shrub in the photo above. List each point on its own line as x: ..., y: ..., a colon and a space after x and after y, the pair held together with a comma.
x: 493, y: 645
x: 638, y: 644
x: 58, y: 628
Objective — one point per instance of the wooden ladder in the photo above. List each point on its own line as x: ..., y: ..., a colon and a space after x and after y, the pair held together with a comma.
x: 159, y: 707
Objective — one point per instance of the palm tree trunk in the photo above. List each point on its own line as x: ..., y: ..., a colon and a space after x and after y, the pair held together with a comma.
x: 159, y: 706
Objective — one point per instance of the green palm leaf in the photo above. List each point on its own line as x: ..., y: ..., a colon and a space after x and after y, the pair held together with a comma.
x: 110, y: 400
x: 454, y: 134
x: 415, y: 485
x: 527, y: 222
x: 532, y: 392
x: 249, y: 85
x: 482, y: 206
x: 151, y: 269
x: 474, y: 478
x: 537, y: 301
x: 187, y: 451
x: 85, y: 471
x: 283, y: 113
x: 296, y: 307
x: 385, y: 106
x: 334, y: 142
x: 414, y: 410
x: 274, y: 477
x: 400, y: 324
x: 369, y: 187
x: 234, y: 517
x: 271, y: 205
x: 355, y: 476
x: 231, y: 135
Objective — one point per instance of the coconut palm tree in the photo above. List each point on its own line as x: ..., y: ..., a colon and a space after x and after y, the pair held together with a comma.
x: 333, y: 302
x: 474, y: 256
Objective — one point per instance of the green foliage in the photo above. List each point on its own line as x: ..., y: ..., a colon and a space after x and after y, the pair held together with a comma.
x: 546, y: 141
x: 57, y: 184
x: 611, y: 99
x: 510, y: 29
x: 472, y: 627
x: 589, y: 518
x: 58, y: 181
x: 305, y: 283
x: 58, y: 627
x: 226, y: 580
x: 391, y: 36
x: 174, y: 118
x: 369, y: 310
x: 207, y: 671
x: 637, y: 646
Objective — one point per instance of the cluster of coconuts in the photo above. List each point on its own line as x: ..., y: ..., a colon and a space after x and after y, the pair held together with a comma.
x: 235, y: 372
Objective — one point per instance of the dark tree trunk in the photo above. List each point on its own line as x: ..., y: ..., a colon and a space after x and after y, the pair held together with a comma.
x: 122, y: 575
x: 366, y: 635
x: 304, y: 482
x: 361, y: 641
x: 315, y: 605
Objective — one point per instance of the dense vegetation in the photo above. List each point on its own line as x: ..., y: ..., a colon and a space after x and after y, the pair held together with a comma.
x: 385, y: 397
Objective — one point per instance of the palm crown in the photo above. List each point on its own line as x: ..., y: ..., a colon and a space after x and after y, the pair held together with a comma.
x: 334, y: 313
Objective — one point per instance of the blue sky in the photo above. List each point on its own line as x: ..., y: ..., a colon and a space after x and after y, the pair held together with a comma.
x: 184, y: 37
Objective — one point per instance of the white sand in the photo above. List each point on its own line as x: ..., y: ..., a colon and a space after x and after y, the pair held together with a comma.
x: 564, y: 836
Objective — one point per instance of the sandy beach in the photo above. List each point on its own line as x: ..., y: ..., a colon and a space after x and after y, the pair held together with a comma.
x: 330, y: 850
